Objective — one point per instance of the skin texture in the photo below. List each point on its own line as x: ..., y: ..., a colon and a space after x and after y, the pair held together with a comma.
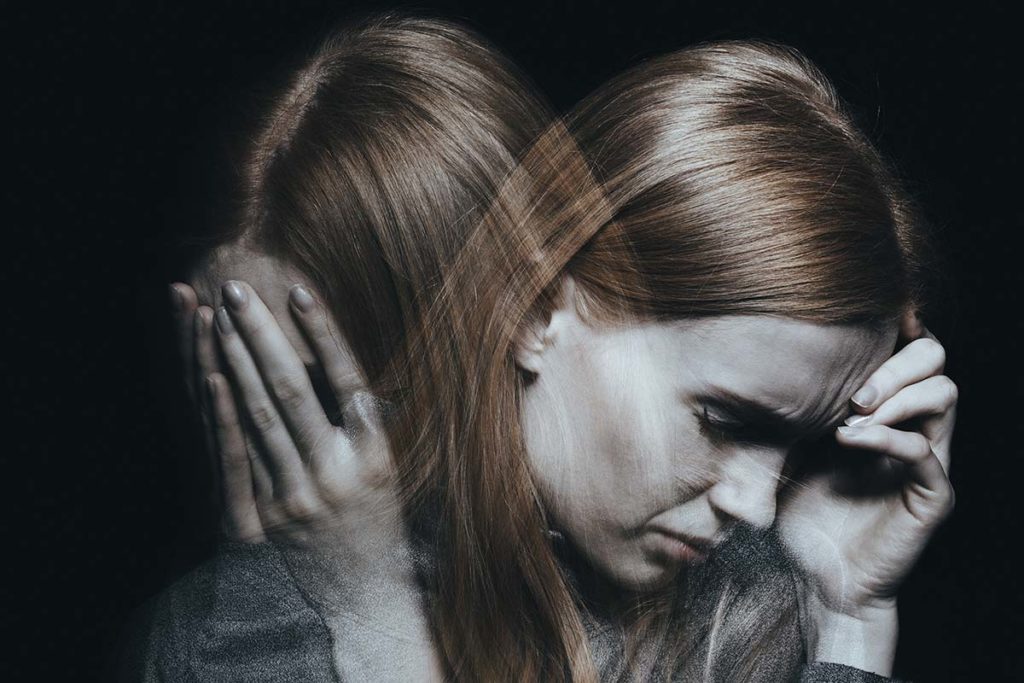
x: 618, y: 441
x: 633, y: 437
x: 268, y: 276
x: 630, y: 438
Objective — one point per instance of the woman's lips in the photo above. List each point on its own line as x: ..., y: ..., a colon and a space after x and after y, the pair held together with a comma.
x: 680, y: 549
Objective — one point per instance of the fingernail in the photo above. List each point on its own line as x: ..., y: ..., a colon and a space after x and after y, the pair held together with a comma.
x: 211, y: 386
x: 855, y: 420
x: 177, y: 300
x: 850, y: 432
x: 865, y: 398
x: 234, y: 295
x: 224, y: 323
x: 302, y: 299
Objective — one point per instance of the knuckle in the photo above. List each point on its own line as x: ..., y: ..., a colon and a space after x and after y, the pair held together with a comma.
x: 290, y: 391
x: 950, y: 502
x: 935, y: 350
x: 886, y: 376
x: 922, y: 448
x: 222, y: 420
x: 235, y: 459
x: 952, y: 391
x: 883, y: 436
x: 268, y: 511
x: 256, y: 327
x: 264, y: 417
x: 298, y: 506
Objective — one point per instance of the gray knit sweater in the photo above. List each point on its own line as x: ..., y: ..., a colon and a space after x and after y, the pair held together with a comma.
x: 241, y: 617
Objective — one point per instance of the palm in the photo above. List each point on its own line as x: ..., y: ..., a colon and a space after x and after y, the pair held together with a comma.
x: 850, y: 528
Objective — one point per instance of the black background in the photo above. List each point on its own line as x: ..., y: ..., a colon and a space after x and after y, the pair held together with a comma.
x: 123, y: 119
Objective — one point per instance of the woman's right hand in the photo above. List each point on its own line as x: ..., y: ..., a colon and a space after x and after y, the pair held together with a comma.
x: 312, y: 481
x: 324, y: 494
x: 287, y: 472
x: 197, y: 349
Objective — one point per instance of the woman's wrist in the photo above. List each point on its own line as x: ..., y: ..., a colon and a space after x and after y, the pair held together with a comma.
x: 865, y: 639
x: 355, y: 581
x: 379, y: 626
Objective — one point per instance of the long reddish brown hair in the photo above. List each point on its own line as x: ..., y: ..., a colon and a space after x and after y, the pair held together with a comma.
x: 723, y: 179
x: 415, y: 177
x: 369, y: 172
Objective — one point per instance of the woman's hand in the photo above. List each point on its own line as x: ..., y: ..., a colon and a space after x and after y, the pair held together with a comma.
x: 857, y: 524
x: 197, y: 348
x: 324, y: 494
x: 310, y: 477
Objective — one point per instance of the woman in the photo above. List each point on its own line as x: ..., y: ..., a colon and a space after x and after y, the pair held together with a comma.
x: 622, y: 395
x: 383, y: 150
x: 738, y: 209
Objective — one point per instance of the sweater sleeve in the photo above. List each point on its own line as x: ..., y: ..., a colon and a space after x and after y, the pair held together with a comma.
x: 239, y: 617
x: 826, y: 672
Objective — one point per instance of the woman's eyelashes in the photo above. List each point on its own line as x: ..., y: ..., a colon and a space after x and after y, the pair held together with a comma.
x: 720, y: 429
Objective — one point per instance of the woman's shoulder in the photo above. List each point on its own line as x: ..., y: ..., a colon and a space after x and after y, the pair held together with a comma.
x: 238, y: 616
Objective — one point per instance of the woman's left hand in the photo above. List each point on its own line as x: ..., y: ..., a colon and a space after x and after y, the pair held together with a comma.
x: 856, y: 525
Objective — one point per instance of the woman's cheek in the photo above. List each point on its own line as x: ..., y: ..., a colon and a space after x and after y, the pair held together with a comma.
x: 678, y: 463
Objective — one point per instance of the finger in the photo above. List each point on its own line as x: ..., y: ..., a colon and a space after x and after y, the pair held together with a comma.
x: 184, y: 303
x: 917, y: 360
x: 241, y: 518
x: 342, y: 372
x: 931, y: 396
x: 911, y: 448
x: 203, y: 337
x: 932, y: 401
x: 205, y: 342
x: 204, y: 352
x: 277, y: 446
x: 939, y: 429
x: 283, y: 372
x: 263, y: 481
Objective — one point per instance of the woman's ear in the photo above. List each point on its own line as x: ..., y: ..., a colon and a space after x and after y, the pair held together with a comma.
x: 544, y: 327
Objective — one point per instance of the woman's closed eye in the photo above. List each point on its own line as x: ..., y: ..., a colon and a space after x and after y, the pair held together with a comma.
x: 719, y: 428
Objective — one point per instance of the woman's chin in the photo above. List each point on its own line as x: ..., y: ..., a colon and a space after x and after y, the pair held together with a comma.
x: 645, y: 575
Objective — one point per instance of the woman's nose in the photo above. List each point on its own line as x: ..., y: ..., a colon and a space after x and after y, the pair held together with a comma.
x: 748, y: 486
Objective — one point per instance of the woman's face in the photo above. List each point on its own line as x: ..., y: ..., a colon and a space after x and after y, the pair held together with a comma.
x: 643, y: 434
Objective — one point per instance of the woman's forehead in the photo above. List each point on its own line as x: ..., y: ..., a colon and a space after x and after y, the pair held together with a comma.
x: 271, y: 279
x: 796, y: 366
